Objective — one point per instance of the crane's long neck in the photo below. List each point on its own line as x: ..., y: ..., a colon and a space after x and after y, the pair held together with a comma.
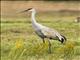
x: 33, y: 17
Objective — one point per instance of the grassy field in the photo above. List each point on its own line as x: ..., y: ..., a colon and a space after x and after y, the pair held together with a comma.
x: 19, y: 42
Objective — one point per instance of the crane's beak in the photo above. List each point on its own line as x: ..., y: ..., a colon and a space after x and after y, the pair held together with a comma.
x: 23, y: 11
x: 26, y: 10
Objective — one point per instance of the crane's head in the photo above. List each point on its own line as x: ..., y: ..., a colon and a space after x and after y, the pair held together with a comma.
x: 30, y: 9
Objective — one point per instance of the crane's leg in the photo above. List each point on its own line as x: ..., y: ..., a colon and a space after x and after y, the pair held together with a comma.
x: 49, y: 46
x: 43, y: 40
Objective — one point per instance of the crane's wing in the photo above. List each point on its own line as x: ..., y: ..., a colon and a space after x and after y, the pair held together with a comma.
x: 53, y: 34
x: 50, y: 33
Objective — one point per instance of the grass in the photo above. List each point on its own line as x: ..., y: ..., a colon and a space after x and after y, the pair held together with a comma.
x: 19, y: 42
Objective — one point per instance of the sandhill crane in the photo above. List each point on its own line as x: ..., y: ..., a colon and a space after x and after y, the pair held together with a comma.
x: 43, y: 31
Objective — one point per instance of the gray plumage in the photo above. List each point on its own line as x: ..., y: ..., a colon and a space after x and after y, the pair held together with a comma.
x: 43, y: 31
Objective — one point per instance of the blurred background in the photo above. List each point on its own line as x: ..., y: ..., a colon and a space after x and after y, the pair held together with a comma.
x: 10, y: 8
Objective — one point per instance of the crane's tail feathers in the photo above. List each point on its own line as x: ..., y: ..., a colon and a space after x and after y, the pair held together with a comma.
x: 63, y: 39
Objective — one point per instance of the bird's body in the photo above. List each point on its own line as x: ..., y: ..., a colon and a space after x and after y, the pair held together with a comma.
x: 45, y: 32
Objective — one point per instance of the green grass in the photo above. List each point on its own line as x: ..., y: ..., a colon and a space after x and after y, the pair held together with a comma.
x: 19, y: 42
